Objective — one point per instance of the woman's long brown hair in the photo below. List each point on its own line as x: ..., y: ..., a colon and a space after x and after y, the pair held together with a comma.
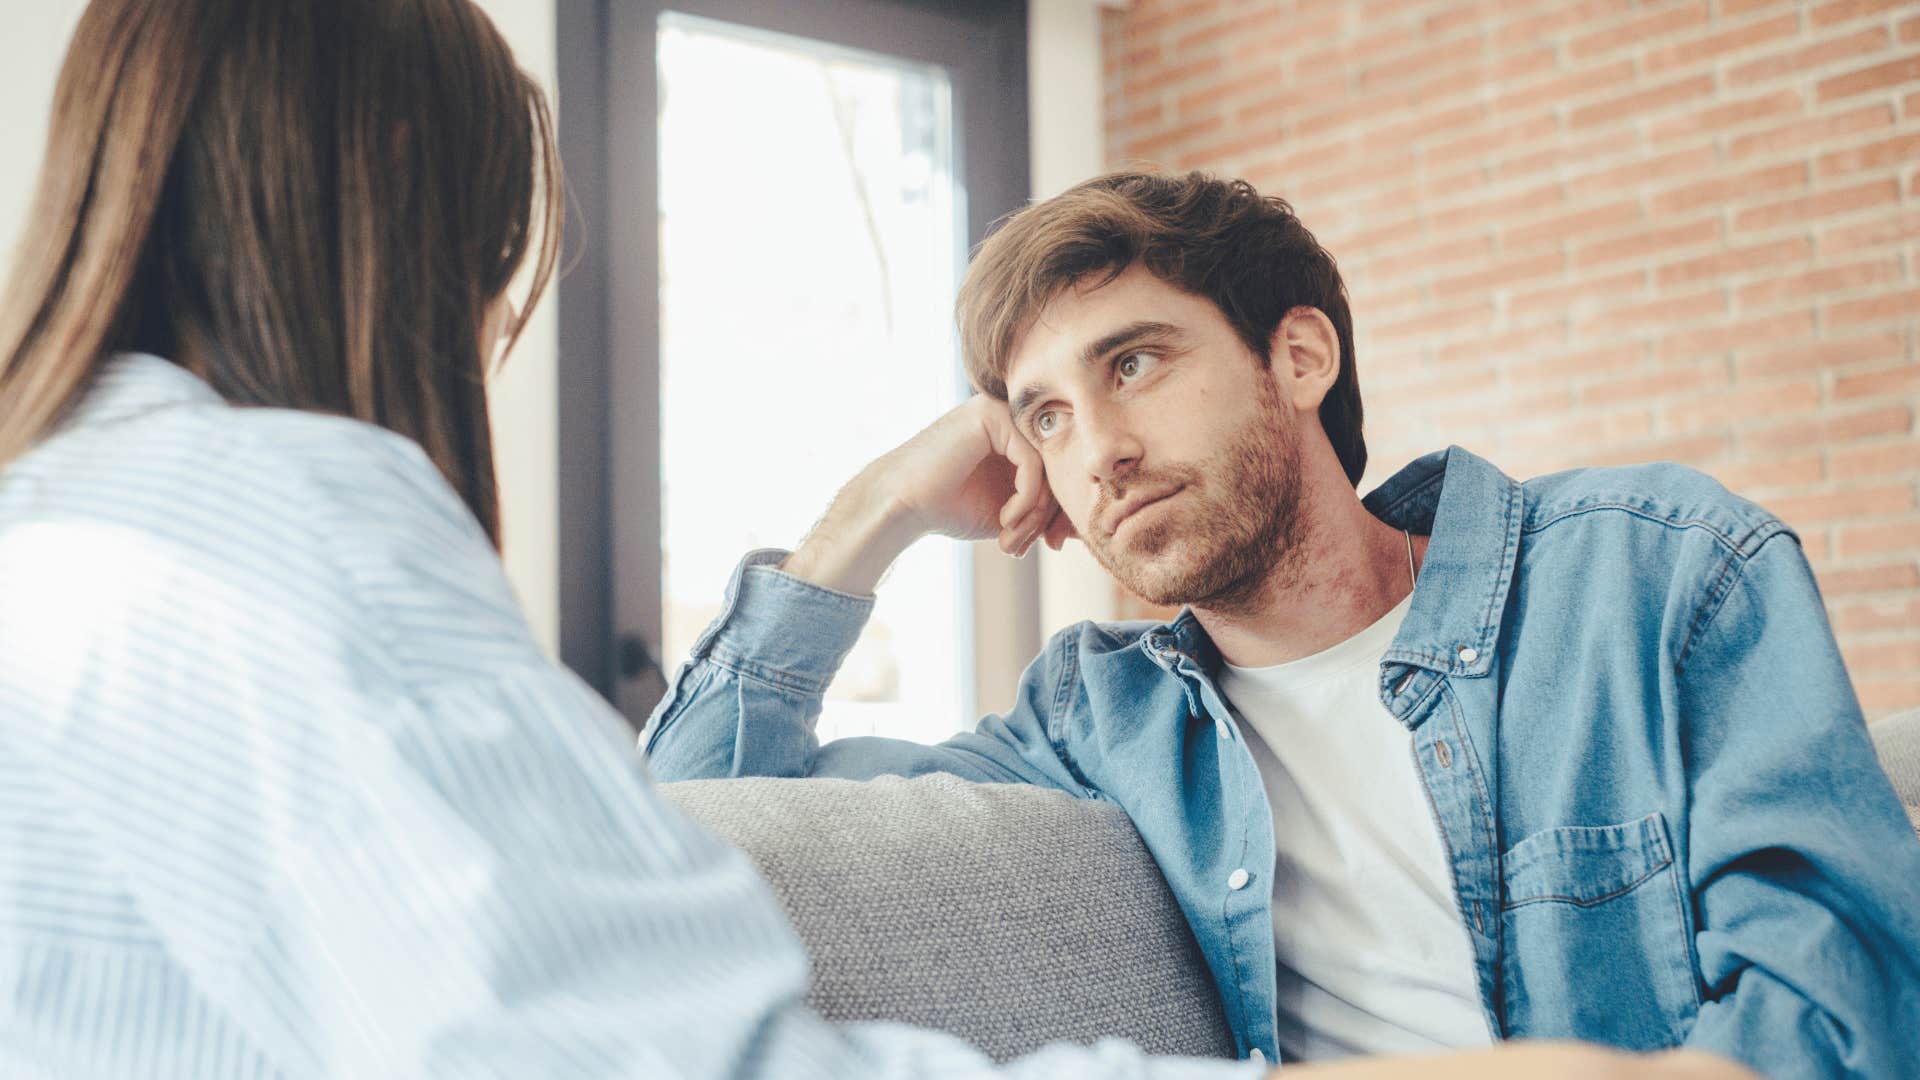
x: 311, y: 204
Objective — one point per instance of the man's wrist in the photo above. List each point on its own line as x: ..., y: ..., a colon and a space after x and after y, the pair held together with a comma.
x: 853, y: 546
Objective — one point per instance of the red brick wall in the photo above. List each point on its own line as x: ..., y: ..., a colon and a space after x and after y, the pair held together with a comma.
x: 1600, y: 231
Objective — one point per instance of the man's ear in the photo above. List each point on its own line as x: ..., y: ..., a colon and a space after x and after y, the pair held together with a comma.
x: 1309, y: 347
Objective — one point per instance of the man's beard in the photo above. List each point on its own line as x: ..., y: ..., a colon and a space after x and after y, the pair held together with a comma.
x: 1237, y: 521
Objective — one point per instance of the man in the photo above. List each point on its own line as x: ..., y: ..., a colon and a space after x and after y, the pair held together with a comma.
x: 1600, y: 776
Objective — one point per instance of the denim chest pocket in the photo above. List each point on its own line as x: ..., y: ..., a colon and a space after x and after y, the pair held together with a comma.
x: 1596, y: 937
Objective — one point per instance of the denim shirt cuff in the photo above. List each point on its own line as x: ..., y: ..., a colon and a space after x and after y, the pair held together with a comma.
x: 781, y: 629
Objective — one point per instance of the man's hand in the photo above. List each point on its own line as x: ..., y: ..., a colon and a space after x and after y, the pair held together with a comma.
x: 969, y: 475
x: 1529, y: 1061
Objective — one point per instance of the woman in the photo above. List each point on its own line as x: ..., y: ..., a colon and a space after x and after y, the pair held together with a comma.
x: 286, y: 788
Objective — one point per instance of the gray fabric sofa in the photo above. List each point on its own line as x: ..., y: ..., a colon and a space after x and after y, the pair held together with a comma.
x: 1009, y: 915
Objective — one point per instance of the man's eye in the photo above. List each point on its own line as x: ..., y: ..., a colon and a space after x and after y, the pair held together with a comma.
x: 1046, y: 422
x: 1133, y: 365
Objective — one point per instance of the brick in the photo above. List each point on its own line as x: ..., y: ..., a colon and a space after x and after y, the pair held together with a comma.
x: 1898, y: 381
x: 1833, y: 426
x: 1641, y: 101
x: 1408, y: 261
x: 1772, y: 180
x: 1816, y: 282
x: 1900, y: 150
x: 1823, y: 204
x: 1578, y: 432
x: 1568, y: 85
x: 1147, y: 80
x: 1565, y: 369
x: 1453, y: 19
x: 1290, y: 98
x: 1647, y: 243
x: 1897, y: 613
x: 1207, y: 99
x: 1515, y: 67
x: 1882, y: 231
x: 1878, y: 77
x: 1651, y: 315
x: 1848, y: 503
x: 1806, y: 57
x: 1760, y: 476
x: 1229, y: 27
x: 1881, y: 578
x: 1881, y: 698
x: 1512, y: 347
x: 1733, y: 261
x: 1557, y: 19
x: 1578, y: 298
x: 1482, y: 144
x: 1417, y: 129
x: 1887, y: 538
x: 1171, y: 139
x: 1716, y: 118
x: 1733, y: 9
x: 1883, y: 459
x: 1810, y: 132
x: 1497, y: 209
x: 1532, y: 268
x: 1563, y: 226
x: 1438, y: 324
x: 1616, y: 179
x: 1900, y: 305
x: 1563, y: 154
x: 1714, y: 340
x: 1713, y: 46
x: 1696, y: 450
x: 1635, y: 31
x: 1843, y: 10
x: 1910, y: 31
x: 1153, y: 20
x: 1899, y: 657
x: 1654, y: 387
x: 1727, y: 407
x: 1822, y: 355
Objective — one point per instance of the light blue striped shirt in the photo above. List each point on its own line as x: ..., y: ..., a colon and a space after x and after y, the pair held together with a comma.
x: 288, y: 790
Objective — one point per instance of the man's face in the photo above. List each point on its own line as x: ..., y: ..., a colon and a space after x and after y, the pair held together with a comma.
x: 1166, y: 441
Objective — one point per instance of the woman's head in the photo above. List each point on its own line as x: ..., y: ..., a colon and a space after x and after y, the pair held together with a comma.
x: 313, y: 204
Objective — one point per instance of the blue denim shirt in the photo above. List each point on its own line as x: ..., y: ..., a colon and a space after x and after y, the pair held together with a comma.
x: 1663, y: 815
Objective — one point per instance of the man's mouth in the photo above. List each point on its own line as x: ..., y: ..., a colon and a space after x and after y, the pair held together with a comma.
x: 1134, y: 505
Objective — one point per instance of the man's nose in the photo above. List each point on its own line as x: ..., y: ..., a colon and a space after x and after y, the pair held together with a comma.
x: 1112, y: 450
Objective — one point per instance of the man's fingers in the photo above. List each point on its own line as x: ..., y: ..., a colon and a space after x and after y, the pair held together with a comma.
x: 1029, y: 475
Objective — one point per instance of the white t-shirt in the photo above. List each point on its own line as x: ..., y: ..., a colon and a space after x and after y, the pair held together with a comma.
x: 1372, y: 951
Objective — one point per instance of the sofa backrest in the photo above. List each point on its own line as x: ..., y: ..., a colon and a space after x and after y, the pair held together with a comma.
x: 1897, y: 739
x: 1010, y: 915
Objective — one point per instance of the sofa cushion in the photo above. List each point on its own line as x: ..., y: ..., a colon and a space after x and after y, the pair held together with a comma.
x: 1897, y: 739
x: 1010, y: 915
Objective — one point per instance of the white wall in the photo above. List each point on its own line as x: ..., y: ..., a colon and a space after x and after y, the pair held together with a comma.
x: 524, y: 408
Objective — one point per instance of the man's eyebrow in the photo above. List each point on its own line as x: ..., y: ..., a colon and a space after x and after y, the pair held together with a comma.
x: 1096, y: 351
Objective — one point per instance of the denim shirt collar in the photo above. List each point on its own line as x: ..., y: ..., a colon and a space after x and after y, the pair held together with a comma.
x: 1473, y: 512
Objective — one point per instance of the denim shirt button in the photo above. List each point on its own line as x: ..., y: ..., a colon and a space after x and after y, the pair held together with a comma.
x: 1238, y: 879
x: 1468, y: 654
x: 1254, y: 1055
x: 1443, y: 754
x: 1223, y: 728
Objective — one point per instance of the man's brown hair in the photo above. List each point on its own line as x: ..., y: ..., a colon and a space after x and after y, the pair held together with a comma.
x: 1216, y: 239
x: 312, y: 204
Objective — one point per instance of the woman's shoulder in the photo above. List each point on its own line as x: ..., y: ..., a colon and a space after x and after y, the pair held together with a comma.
x: 271, y: 506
